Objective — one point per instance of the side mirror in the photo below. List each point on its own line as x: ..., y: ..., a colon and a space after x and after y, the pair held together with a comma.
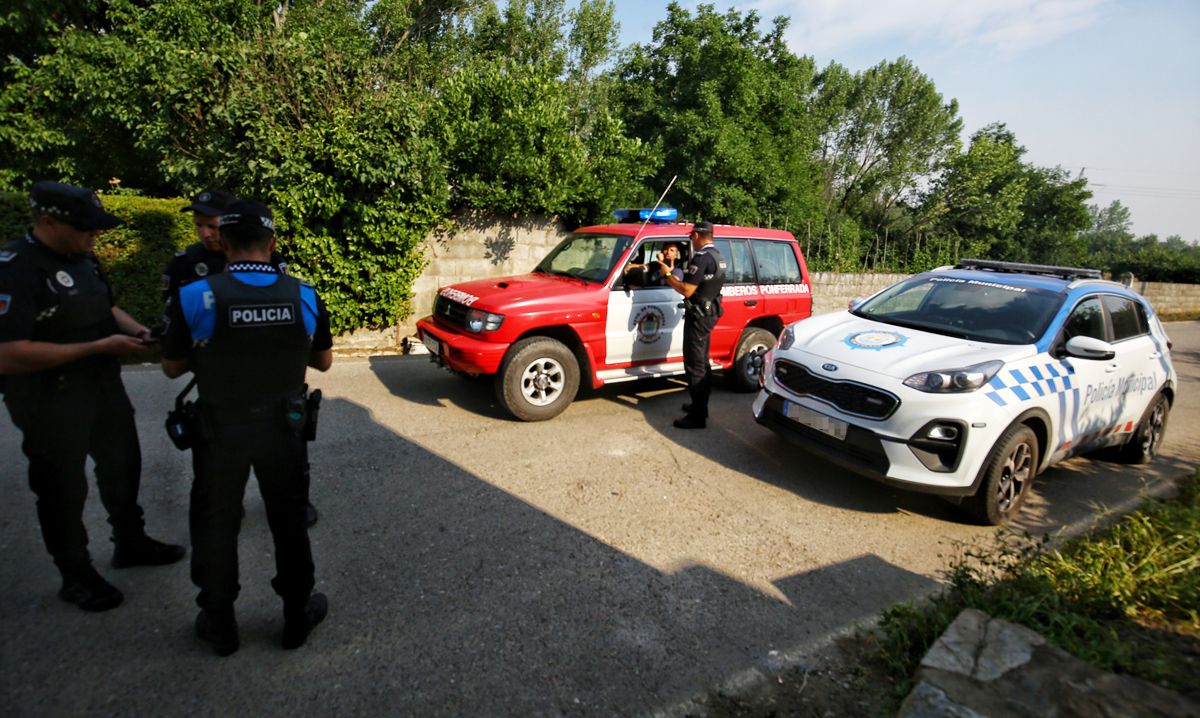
x: 854, y: 302
x: 1090, y: 348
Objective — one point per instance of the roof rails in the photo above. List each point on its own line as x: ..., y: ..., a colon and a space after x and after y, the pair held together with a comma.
x: 1018, y: 267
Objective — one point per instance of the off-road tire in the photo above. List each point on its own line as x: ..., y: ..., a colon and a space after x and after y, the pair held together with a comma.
x: 538, y: 379
x: 748, y: 361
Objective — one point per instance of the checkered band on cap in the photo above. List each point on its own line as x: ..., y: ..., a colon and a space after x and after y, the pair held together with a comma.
x: 228, y: 220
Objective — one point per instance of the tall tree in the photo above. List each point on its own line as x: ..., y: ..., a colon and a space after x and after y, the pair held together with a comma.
x: 723, y: 105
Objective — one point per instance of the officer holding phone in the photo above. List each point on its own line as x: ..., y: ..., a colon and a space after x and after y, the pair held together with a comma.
x: 61, y: 340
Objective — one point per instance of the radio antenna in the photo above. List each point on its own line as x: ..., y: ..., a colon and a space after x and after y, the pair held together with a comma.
x: 638, y: 236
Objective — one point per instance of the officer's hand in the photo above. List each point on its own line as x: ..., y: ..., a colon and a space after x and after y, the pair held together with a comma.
x: 121, y: 345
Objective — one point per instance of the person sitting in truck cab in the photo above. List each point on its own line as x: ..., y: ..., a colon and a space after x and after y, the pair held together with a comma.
x: 652, y: 273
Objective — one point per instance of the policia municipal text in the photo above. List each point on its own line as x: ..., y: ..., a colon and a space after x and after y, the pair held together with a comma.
x: 60, y: 341
x: 248, y: 334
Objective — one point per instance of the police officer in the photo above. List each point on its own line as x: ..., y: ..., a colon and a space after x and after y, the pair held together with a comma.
x: 248, y: 334
x: 701, y: 290
x: 60, y: 341
x: 207, y: 257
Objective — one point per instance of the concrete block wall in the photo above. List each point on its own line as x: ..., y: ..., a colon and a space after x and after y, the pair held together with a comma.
x: 832, y: 291
x: 1171, y: 300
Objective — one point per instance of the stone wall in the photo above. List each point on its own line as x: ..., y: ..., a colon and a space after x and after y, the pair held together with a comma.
x: 1171, y: 301
x: 485, y: 245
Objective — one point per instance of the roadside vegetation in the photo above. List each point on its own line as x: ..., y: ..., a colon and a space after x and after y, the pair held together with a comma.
x: 1125, y: 599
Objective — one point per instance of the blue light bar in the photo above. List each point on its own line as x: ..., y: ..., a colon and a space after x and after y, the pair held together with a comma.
x: 665, y: 214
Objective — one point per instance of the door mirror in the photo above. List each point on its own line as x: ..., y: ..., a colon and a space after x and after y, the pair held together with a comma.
x: 1090, y: 348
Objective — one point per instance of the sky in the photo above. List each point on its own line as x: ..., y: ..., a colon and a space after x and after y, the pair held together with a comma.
x: 1106, y: 88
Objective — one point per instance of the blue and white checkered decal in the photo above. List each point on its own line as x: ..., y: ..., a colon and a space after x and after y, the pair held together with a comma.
x: 1034, y: 380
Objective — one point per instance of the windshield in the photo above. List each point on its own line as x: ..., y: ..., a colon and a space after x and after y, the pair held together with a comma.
x: 973, y: 309
x: 589, y: 257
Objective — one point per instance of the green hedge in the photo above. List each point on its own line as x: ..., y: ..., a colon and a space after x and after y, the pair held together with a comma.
x: 133, y: 254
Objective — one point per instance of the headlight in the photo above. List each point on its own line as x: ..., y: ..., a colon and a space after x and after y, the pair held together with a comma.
x: 948, y: 381
x: 787, y: 337
x: 478, y: 321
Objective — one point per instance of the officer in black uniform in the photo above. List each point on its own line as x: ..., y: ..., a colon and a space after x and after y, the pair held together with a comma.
x: 701, y: 290
x: 248, y: 334
x: 207, y: 257
x: 60, y: 342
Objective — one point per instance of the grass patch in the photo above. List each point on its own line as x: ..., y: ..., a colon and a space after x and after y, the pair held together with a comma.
x: 1125, y: 599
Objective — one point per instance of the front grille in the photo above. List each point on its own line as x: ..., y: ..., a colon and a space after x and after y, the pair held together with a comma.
x: 849, y: 397
x: 450, y: 311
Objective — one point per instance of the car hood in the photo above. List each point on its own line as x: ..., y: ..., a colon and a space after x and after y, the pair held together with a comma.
x: 844, y: 339
x: 503, y: 293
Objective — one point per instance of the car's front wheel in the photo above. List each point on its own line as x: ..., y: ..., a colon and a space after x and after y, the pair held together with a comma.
x: 748, y: 361
x: 538, y: 379
x: 1007, y: 477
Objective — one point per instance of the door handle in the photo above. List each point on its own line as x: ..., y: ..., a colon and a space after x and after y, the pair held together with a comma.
x: 751, y: 302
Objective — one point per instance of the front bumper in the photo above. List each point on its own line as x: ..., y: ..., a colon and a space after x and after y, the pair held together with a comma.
x: 460, y: 352
x: 887, y: 459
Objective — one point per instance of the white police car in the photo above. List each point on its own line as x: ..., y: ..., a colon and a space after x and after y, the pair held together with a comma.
x: 968, y: 381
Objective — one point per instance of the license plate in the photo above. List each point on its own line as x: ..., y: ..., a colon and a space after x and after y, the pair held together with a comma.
x: 815, y: 420
x: 431, y: 344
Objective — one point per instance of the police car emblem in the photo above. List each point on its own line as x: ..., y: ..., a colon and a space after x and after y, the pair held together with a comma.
x: 64, y: 279
x: 875, y: 341
x: 261, y: 315
x: 201, y: 269
x: 649, y: 325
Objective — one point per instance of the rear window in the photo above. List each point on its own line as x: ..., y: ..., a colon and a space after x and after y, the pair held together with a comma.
x: 739, y: 264
x: 1128, y: 317
x: 776, y: 262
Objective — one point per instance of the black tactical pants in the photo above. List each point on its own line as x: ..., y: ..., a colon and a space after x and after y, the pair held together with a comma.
x: 697, y: 334
x: 64, y: 419
x: 233, y: 443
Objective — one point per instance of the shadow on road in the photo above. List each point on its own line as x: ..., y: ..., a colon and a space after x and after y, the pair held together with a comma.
x: 448, y: 597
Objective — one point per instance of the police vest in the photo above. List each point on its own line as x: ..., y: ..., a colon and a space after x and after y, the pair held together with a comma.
x: 74, y: 301
x: 259, y: 348
x: 709, y: 288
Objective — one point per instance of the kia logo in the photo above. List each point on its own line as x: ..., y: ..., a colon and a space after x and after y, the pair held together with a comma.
x: 829, y: 367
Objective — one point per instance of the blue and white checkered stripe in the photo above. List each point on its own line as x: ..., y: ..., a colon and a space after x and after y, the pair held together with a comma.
x: 1034, y: 380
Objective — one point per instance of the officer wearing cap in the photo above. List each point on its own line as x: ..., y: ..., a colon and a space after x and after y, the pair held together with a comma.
x: 61, y: 339
x: 248, y: 334
x: 701, y: 290
x: 207, y: 257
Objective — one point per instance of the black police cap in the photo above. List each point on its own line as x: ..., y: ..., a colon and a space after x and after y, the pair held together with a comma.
x: 703, y: 227
x: 248, y: 213
x: 77, y: 206
x: 211, y: 202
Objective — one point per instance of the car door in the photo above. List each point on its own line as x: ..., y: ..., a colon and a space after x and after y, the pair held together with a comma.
x: 1093, y: 409
x: 741, y: 297
x: 1138, y: 360
x: 644, y: 323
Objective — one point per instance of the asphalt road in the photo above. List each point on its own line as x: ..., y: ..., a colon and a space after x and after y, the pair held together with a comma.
x: 602, y: 563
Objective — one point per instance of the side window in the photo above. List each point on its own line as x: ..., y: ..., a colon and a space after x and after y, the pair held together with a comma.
x: 1087, y: 320
x: 1128, y: 318
x: 738, y: 262
x: 776, y: 262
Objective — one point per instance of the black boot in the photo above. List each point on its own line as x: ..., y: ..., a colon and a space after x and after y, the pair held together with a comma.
x: 145, y: 551
x: 218, y: 628
x: 690, y: 421
x: 88, y: 590
x: 298, y: 621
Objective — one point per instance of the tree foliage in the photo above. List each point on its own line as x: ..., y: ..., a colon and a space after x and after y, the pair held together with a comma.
x: 366, y: 124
